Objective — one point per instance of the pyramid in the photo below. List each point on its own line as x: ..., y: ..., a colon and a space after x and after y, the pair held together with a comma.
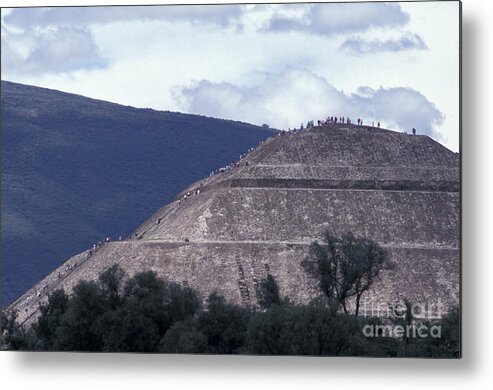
x: 227, y: 232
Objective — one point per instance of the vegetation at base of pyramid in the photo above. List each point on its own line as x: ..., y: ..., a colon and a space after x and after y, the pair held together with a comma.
x: 147, y: 314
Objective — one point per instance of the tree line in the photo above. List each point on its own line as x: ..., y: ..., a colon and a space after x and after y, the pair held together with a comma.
x: 145, y: 313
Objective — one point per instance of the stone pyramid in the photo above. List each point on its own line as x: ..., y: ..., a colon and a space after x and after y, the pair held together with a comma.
x: 227, y: 232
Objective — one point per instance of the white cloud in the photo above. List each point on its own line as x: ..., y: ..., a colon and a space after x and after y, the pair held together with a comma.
x: 286, y: 99
x: 46, y: 16
x: 60, y: 49
x: 340, y: 18
x: 325, y: 19
x: 399, y: 108
x: 361, y: 46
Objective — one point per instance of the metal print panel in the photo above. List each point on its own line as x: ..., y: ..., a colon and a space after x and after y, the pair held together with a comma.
x: 268, y: 179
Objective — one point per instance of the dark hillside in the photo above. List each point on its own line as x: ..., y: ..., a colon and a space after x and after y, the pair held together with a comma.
x: 75, y: 170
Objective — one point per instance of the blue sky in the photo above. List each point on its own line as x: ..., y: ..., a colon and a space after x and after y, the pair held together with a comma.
x: 397, y: 63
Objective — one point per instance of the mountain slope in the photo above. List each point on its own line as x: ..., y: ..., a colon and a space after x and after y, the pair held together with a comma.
x: 75, y: 170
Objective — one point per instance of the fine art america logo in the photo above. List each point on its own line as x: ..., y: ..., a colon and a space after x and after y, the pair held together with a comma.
x: 403, y: 319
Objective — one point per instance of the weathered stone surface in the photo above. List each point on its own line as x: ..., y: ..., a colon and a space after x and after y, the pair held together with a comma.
x: 259, y: 218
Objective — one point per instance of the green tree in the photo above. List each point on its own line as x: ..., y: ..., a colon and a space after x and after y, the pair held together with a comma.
x: 13, y: 336
x: 447, y: 345
x: 165, y: 303
x: 225, y: 325
x: 46, y: 327
x: 128, y: 329
x: 312, y: 329
x: 184, y: 337
x: 112, y: 314
x: 77, y: 330
x: 111, y: 281
x: 345, y: 266
x: 148, y: 308
x: 450, y: 341
x: 269, y: 292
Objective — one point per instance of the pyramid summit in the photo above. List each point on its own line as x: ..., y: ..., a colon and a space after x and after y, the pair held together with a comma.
x: 258, y: 216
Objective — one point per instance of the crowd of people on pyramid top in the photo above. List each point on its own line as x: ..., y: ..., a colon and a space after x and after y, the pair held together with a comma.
x: 333, y: 120
x: 330, y: 120
x: 243, y: 161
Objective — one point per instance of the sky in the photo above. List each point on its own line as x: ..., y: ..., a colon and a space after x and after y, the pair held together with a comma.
x: 280, y: 64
